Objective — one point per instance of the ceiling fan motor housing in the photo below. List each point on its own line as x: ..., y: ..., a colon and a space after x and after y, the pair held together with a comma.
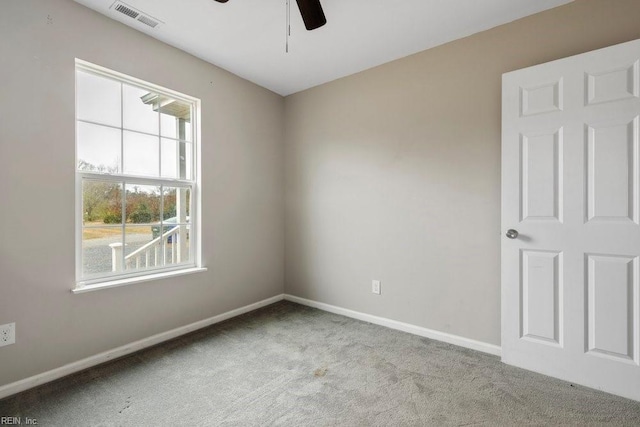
x: 311, y: 11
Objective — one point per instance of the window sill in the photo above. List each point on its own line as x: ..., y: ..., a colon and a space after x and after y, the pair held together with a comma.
x: 79, y: 289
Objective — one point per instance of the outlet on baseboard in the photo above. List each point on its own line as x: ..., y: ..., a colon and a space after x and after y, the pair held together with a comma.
x: 375, y: 287
x: 7, y: 334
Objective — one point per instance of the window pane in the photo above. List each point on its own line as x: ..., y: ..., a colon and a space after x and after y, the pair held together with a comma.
x: 141, y: 154
x: 142, y: 204
x: 138, y: 110
x: 98, y: 99
x: 168, y: 125
x: 141, y: 251
x: 188, y: 133
x: 101, y: 202
x: 98, y: 148
x: 98, y: 246
x: 162, y: 247
x: 176, y: 244
x: 176, y: 119
x: 177, y: 204
x: 176, y: 159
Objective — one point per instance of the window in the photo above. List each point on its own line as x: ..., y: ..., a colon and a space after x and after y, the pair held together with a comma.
x: 136, y: 179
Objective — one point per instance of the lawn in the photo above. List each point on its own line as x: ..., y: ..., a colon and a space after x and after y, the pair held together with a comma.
x: 101, y: 231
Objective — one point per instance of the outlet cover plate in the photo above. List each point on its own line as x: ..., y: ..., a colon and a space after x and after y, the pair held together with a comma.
x: 7, y: 334
x: 375, y: 287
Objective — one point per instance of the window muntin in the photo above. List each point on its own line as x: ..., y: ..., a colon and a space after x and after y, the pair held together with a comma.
x: 136, y: 177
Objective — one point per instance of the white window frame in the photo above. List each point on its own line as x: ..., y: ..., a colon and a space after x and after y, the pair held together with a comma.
x: 112, y: 279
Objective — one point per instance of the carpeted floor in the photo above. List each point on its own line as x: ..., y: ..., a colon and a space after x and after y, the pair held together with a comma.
x: 292, y: 365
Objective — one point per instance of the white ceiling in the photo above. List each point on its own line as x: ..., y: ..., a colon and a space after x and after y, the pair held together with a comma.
x: 247, y: 37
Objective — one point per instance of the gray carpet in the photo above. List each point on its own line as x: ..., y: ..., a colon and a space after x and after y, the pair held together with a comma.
x: 296, y: 366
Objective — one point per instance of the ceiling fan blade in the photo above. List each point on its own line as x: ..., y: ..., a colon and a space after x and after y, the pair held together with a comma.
x: 222, y: 1
x: 312, y: 14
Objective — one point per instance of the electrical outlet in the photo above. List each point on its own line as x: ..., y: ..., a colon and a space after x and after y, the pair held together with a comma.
x: 7, y: 334
x: 375, y: 287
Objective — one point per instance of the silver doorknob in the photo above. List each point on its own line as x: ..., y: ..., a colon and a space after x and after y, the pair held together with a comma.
x: 512, y: 234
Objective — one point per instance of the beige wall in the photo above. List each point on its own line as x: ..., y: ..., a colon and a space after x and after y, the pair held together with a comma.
x: 394, y: 173
x: 242, y: 210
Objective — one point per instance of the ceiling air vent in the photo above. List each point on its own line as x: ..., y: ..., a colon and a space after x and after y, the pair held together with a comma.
x: 133, y: 13
x: 126, y: 10
x: 148, y: 21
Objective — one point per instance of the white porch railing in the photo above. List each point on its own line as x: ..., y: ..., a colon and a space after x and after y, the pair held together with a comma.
x: 150, y: 254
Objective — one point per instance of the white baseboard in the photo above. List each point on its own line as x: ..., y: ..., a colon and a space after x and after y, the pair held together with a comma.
x: 54, y: 374
x: 405, y: 327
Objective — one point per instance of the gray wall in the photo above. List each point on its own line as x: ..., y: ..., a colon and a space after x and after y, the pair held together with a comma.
x: 242, y: 170
x: 394, y: 173
x: 391, y: 174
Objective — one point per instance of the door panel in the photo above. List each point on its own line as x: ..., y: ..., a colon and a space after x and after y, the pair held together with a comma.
x: 543, y: 98
x: 612, y: 283
x: 541, y: 293
x: 541, y: 176
x: 611, y: 168
x: 571, y: 187
x: 612, y: 84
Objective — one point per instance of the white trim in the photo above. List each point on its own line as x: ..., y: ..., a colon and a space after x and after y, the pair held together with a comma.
x: 196, y: 174
x: 54, y: 374
x: 118, y: 278
x: 400, y: 326
x: 101, y: 71
x: 136, y: 179
x: 82, y: 288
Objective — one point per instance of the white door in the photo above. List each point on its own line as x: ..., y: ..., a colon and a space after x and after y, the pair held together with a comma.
x: 570, y: 188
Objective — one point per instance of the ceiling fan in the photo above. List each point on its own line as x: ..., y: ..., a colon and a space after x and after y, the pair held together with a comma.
x: 311, y: 11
